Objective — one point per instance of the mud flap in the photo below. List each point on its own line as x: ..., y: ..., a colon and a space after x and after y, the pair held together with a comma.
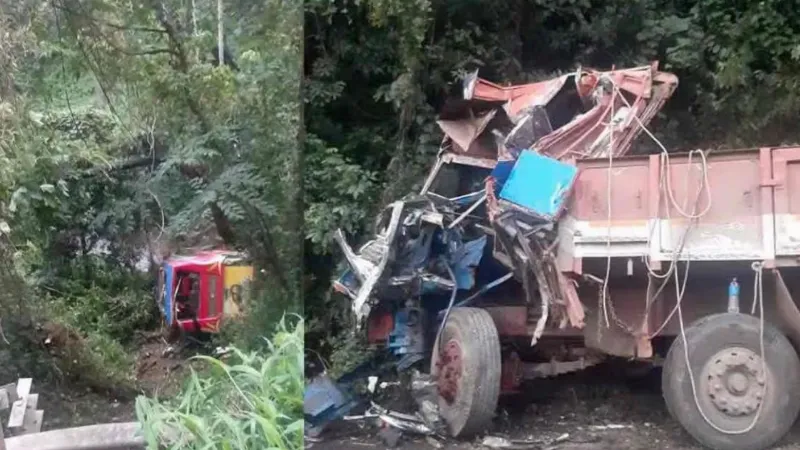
x: 788, y: 313
x: 613, y: 340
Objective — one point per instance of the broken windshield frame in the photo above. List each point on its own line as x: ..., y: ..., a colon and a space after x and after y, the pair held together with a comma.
x: 456, y: 176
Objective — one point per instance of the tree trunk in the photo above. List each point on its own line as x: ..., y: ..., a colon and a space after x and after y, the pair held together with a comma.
x: 220, y: 40
x: 194, y: 17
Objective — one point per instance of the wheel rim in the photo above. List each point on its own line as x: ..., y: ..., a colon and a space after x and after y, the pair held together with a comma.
x: 449, y: 368
x: 733, y: 382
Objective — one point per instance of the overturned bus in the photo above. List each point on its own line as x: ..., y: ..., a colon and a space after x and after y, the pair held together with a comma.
x: 196, y: 293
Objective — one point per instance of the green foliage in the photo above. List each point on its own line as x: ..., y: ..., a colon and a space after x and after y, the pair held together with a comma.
x: 101, y: 363
x: 253, y: 401
x: 94, y: 312
x: 121, y: 143
x: 335, y: 191
x: 347, y: 352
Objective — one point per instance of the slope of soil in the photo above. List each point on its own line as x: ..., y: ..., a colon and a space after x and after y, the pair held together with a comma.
x: 160, y: 369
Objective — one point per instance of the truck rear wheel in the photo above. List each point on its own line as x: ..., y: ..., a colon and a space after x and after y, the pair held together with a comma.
x: 730, y: 384
x: 467, y: 369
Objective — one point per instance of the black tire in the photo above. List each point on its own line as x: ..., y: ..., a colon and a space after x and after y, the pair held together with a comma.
x: 707, y: 337
x: 474, y: 405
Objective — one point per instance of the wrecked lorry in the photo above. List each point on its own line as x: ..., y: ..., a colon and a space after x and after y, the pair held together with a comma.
x: 537, y: 247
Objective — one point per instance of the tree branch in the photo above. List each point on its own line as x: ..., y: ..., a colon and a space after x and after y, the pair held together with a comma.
x: 127, y: 164
x: 153, y: 51
x: 223, y: 225
x: 116, y: 26
x: 129, y: 28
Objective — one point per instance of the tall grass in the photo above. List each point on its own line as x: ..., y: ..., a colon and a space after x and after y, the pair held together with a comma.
x: 253, y: 401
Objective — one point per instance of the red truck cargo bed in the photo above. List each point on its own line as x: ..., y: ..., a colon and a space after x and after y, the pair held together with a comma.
x: 754, y: 212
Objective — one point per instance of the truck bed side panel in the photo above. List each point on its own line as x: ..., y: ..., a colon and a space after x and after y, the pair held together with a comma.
x: 644, y: 221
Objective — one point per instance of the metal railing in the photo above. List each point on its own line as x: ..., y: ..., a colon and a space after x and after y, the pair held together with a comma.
x: 25, y: 424
x: 110, y: 436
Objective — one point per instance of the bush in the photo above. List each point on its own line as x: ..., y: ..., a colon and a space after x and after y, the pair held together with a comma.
x: 117, y: 315
x: 253, y: 401
x: 107, y: 322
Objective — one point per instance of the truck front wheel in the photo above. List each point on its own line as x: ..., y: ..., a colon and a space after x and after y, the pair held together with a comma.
x: 730, y: 385
x: 467, y: 368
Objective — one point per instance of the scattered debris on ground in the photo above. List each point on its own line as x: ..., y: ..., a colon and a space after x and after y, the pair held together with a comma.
x: 159, y: 365
x: 592, y: 411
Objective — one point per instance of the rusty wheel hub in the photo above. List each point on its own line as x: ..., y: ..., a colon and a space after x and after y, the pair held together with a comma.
x: 734, y: 381
x: 449, y: 370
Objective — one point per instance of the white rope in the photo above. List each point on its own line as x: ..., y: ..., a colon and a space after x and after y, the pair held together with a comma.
x: 758, y: 293
x: 758, y: 296
x: 604, y: 292
x: 666, y: 155
x: 664, y: 185
x: 676, y: 252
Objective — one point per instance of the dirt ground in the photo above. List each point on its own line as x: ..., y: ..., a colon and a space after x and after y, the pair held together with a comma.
x: 160, y: 366
x: 568, y: 413
x: 159, y: 371
x: 75, y: 409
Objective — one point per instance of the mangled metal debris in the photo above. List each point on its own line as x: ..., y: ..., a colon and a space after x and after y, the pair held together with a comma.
x: 368, y: 266
x: 564, y: 117
x: 488, y: 214
x: 324, y: 402
x: 393, y: 425
x: 400, y: 421
x: 518, y: 132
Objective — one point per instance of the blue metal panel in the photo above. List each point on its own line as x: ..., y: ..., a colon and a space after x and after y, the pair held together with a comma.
x: 321, y: 395
x: 501, y: 172
x: 539, y: 184
x: 407, y: 340
x: 167, y: 300
x: 348, y: 281
x: 325, y: 401
x: 465, y: 259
